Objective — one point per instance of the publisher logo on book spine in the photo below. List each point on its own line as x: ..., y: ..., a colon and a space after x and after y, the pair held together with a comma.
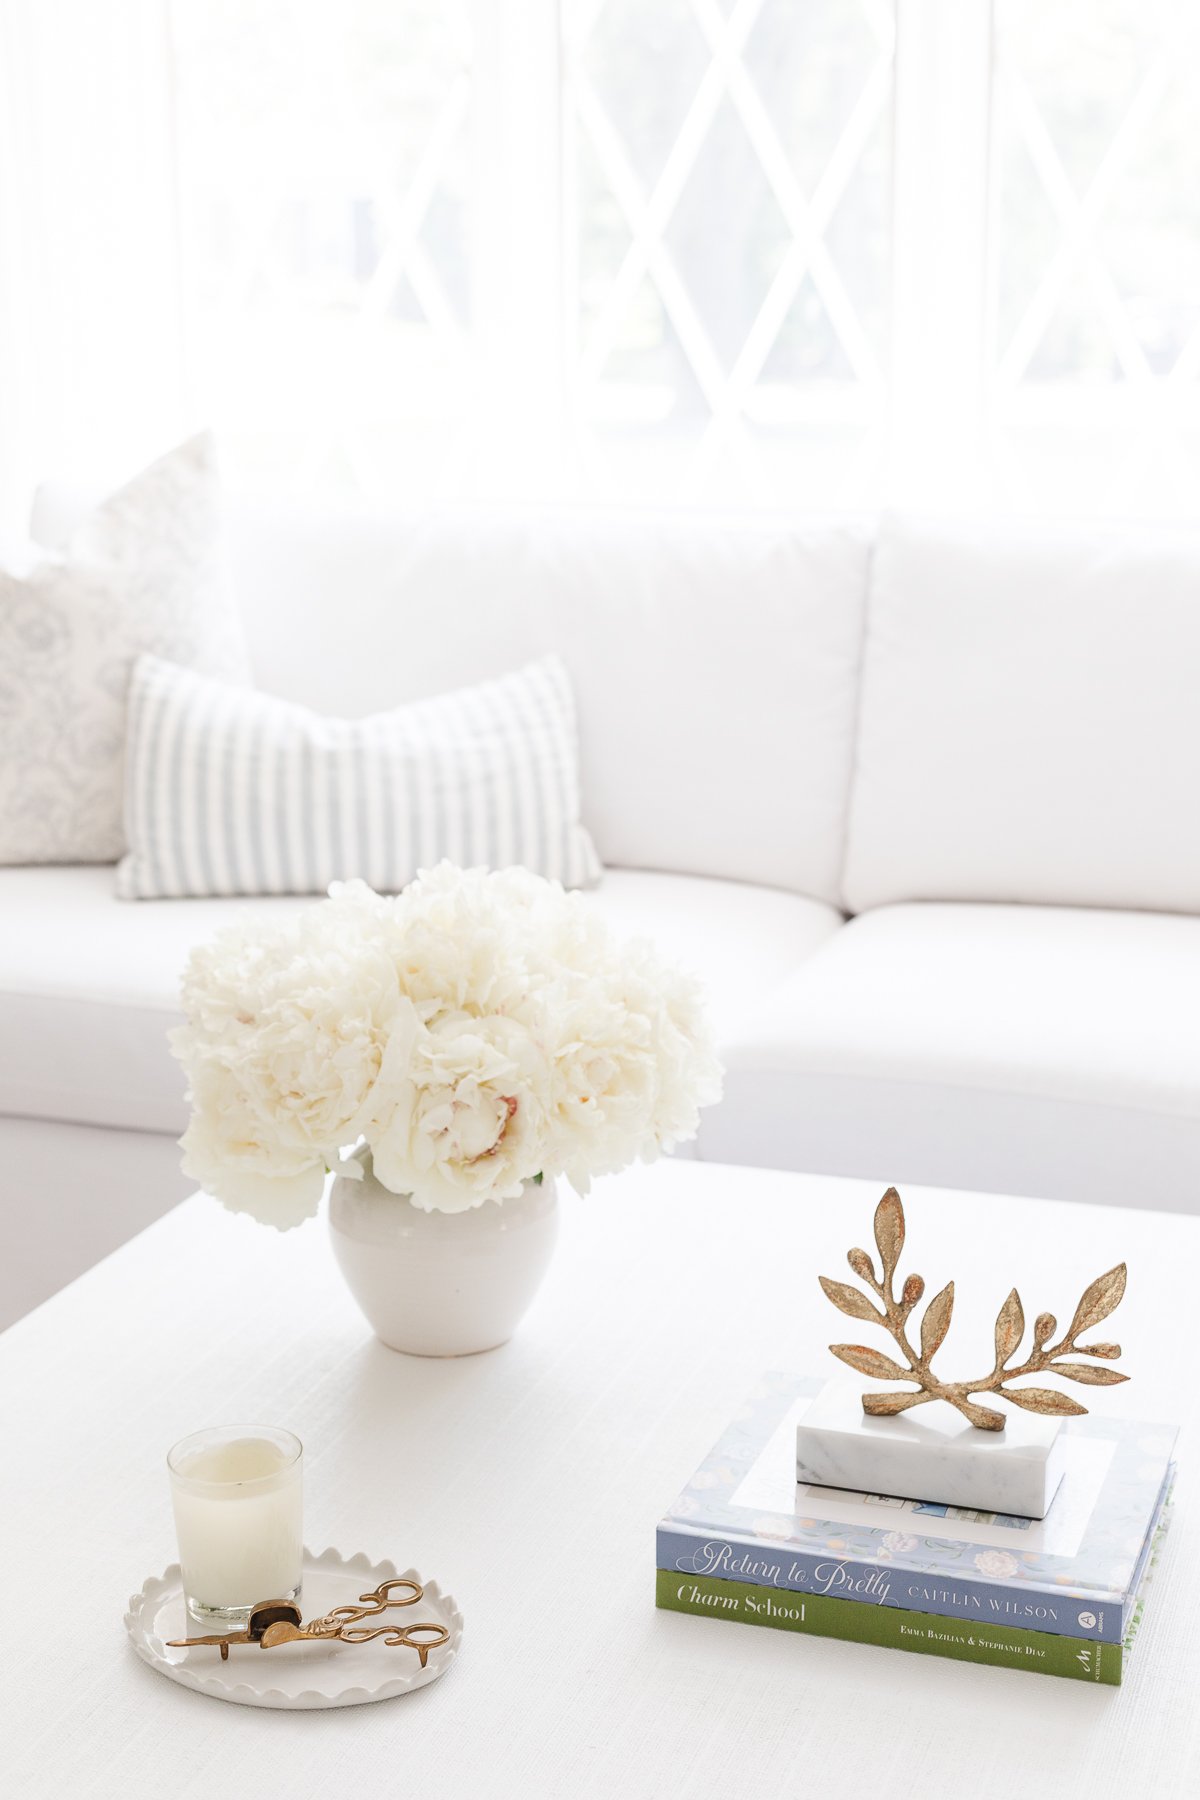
x: 1087, y: 1620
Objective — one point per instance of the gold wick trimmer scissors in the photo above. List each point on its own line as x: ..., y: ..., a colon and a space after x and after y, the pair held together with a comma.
x: 275, y: 1622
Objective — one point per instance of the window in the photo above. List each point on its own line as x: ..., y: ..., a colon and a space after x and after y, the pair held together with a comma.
x: 811, y: 253
x: 728, y: 184
x: 325, y: 180
x: 1094, y: 330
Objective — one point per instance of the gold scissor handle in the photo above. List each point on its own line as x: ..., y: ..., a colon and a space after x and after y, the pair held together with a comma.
x: 377, y: 1601
x: 404, y: 1635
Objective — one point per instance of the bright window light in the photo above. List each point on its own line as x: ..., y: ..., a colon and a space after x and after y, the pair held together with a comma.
x: 814, y: 254
x: 1094, y: 342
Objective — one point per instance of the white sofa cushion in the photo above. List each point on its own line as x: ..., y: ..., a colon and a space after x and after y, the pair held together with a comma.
x: 715, y: 664
x: 1029, y: 727
x: 141, y: 573
x: 235, y: 792
x: 1013, y: 1049
x: 89, y: 987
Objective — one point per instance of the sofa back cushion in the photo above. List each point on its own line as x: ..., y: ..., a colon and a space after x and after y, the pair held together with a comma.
x: 715, y: 664
x: 1029, y: 729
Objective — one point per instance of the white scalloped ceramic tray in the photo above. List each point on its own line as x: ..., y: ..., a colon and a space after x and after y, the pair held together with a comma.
x: 329, y: 1673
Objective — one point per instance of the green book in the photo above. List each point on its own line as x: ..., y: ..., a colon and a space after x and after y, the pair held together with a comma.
x: 894, y: 1628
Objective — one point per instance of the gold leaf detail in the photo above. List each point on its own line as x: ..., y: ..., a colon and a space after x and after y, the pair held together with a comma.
x: 861, y: 1263
x: 849, y: 1300
x: 889, y: 1230
x: 914, y: 1287
x: 1042, y: 1400
x: 1010, y: 1328
x: 936, y: 1322
x: 884, y: 1405
x: 1043, y: 1329
x: 1108, y: 1351
x: 1103, y: 1297
x: 1088, y: 1374
x: 871, y: 1362
x: 982, y: 1416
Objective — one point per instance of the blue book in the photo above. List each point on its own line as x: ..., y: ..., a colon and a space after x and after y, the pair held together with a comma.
x: 743, y: 1517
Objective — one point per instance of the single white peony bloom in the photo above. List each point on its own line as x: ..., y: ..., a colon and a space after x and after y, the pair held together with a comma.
x: 470, y: 1121
x: 634, y: 1064
x: 297, y: 1037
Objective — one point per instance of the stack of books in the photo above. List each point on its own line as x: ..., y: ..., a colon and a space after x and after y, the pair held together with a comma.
x: 1061, y: 1595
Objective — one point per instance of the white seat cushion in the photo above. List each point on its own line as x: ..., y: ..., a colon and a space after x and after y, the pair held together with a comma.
x: 89, y: 986
x: 1028, y: 727
x: 1012, y: 1049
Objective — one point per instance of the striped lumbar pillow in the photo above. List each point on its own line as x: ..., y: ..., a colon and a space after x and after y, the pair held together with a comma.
x: 234, y: 792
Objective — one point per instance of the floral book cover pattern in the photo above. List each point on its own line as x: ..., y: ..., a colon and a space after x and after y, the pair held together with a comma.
x: 743, y: 1517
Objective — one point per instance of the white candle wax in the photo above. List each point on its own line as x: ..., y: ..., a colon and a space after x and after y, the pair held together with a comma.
x: 237, y: 1495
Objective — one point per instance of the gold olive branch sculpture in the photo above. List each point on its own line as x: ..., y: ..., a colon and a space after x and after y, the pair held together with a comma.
x: 1098, y: 1301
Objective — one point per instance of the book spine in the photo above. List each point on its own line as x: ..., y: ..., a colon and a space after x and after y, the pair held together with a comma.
x: 884, y: 1585
x: 891, y: 1627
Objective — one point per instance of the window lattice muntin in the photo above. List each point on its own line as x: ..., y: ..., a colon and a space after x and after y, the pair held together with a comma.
x: 729, y: 187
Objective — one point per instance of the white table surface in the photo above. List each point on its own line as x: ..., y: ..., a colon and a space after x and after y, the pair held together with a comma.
x: 529, y: 1481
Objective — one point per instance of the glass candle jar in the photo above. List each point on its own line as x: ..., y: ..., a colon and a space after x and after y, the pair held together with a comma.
x: 237, y: 1496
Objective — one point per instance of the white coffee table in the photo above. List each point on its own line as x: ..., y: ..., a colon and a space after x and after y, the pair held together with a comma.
x: 529, y: 1481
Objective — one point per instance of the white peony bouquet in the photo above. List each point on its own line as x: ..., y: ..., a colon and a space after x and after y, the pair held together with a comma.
x: 477, y: 1031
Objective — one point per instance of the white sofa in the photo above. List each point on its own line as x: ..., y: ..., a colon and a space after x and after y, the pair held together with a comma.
x: 918, y: 803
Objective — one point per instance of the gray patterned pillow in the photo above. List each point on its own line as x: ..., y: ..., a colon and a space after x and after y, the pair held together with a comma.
x: 142, y: 574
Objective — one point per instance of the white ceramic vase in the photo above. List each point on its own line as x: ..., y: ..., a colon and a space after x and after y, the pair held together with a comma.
x: 441, y: 1284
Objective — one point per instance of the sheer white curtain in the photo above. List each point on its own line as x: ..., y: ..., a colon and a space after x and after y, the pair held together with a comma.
x: 90, y: 367
x: 800, y: 253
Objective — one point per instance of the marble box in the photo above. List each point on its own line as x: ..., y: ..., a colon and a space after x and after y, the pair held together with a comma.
x: 931, y: 1454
